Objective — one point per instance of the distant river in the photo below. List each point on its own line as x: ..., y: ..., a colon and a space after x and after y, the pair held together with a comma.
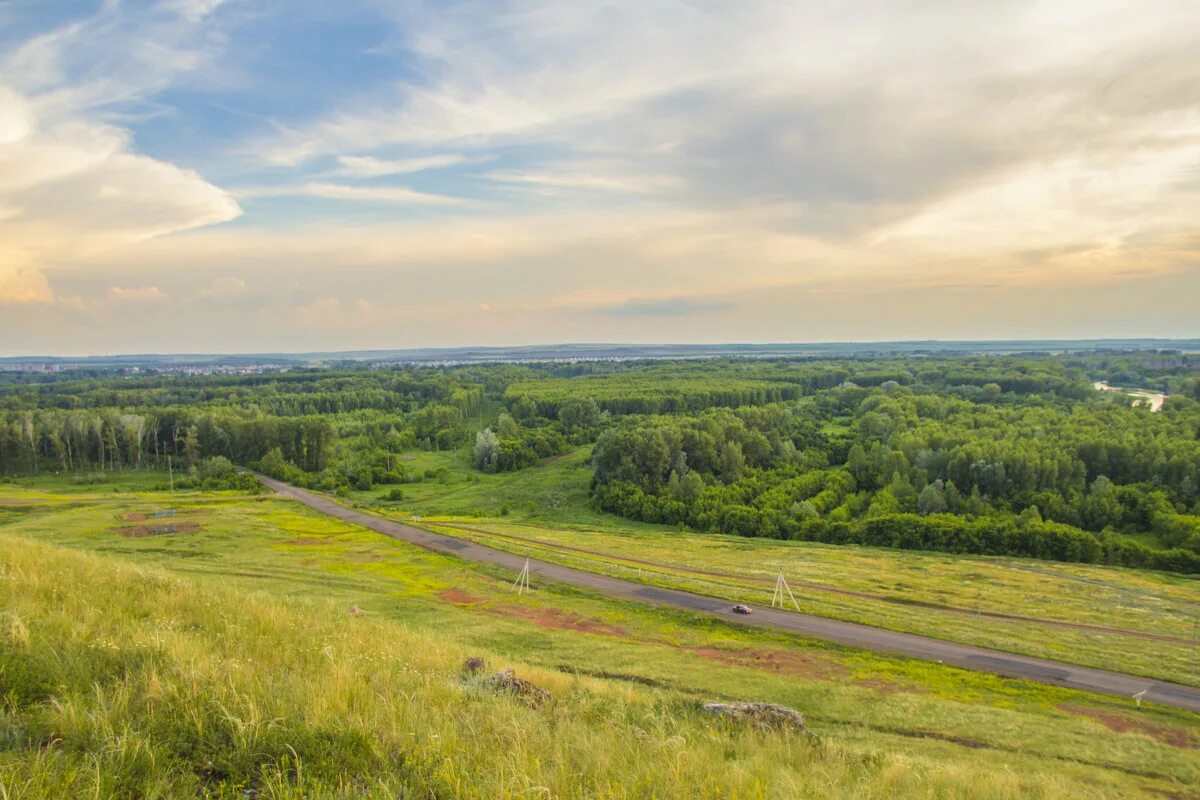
x: 1153, y: 399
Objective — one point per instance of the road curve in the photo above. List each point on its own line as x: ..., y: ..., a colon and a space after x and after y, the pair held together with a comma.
x: 853, y: 634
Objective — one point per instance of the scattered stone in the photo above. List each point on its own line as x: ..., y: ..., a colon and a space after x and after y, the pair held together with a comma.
x: 506, y: 681
x: 355, y: 611
x: 473, y: 665
x: 763, y: 716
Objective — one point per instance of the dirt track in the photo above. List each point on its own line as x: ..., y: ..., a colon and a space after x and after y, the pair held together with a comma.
x: 847, y: 633
x: 743, y: 579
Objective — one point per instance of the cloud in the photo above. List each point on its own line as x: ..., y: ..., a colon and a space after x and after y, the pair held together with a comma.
x: 340, y: 191
x: 73, y: 189
x: 193, y: 10
x: 222, y: 289
x: 71, y: 184
x: 140, y: 294
x: 586, y: 177
x: 715, y: 170
x: 887, y: 151
x: 22, y: 286
x: 370, y: 167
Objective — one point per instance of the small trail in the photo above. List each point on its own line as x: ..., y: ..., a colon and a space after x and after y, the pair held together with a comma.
x: 851, y: 634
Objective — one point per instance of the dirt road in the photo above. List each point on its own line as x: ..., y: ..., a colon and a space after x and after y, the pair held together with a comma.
x: 847, y: 633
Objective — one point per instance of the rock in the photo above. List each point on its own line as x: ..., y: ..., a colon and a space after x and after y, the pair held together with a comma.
x: 473, y: 666
x: 506, y: 681
x: 763, y: 716
x: 355, y: 611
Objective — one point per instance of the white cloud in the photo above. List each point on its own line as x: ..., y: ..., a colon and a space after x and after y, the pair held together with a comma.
x: 369, y: 167
x: 341, y: 191
x: 16, y: 117
x: 73, y: 189
x: 71, y: 184
x: 193, y: 10
x: 586, y: 177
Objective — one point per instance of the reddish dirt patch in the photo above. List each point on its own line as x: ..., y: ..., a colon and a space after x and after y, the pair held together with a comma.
x: 1121, y: 723
x: 131, y: 516
x: 304, y: 541
x: 458, y: 597
x: 159, y: 529
x: 560, y: 620
x: 785, y: 662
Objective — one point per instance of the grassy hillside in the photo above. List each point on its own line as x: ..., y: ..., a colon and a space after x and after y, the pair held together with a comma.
x: 221, y: 657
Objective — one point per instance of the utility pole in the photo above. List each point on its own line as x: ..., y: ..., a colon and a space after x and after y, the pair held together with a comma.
x: 781, y: 587
x: 521, y: 585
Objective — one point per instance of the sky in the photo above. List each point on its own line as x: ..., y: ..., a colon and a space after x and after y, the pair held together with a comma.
x: 260, y: 175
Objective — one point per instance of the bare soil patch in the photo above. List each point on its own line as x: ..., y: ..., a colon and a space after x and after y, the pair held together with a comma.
x: 459, y: 597
x: 558, y: 619
x: 305, y: 541
x: 785, y: 662
x: 1122, y: 723
x: 159, y: 529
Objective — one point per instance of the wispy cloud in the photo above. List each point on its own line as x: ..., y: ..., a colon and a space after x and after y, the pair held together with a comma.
x: 140, y: 294
x: 370, y: 167
x: 586, y: 177
x: 342, y: 191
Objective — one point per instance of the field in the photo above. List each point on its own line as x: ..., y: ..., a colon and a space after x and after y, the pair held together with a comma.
x: 194, y: 669
x: 1134, y: 621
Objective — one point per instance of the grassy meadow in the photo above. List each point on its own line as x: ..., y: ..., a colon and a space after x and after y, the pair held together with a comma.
x: 220, y: 658
x: 1136, y: 621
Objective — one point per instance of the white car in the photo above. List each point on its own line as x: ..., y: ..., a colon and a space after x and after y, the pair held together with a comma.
x: 741, y: 609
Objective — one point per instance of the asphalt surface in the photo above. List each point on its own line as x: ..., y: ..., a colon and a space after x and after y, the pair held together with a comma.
x: 848, y: 633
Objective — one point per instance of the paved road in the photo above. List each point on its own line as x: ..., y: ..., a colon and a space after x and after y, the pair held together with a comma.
x: 848, y: 633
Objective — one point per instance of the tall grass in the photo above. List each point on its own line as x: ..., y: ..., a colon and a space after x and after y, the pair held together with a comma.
x: 122, y: 681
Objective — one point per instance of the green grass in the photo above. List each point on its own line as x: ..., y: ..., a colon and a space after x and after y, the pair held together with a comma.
x: 548, y: 512
x: 558, y: 490
x: 129, y: 667
x: 925, y: 593
x: 944, y: 596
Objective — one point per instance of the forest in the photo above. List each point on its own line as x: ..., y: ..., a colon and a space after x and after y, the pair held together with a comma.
x: 990, y: 454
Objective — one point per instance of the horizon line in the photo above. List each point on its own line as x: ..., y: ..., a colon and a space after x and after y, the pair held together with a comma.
x: 367, y: 352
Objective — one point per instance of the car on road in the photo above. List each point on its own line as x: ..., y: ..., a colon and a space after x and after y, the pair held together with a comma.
x: 741, y: 609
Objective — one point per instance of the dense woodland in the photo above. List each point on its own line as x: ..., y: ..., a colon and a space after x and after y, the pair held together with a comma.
x: 980, y: 454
